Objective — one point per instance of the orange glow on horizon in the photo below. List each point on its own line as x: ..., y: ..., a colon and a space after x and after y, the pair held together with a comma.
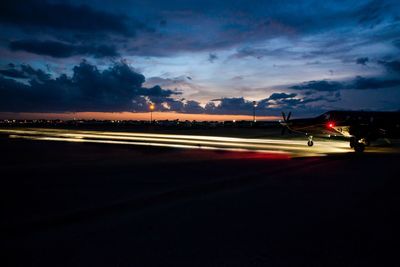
x: 130, y: 116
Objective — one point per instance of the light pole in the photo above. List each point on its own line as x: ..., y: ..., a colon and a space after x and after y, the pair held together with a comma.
x: 151, y: 107
x: 254, y: 110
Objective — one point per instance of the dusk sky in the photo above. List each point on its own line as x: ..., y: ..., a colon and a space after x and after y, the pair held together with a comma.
x: 112, y: 59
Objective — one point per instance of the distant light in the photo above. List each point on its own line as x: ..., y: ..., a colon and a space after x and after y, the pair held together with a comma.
x: 152, y: 107
x: 331, y: 125
x: 234, y: 121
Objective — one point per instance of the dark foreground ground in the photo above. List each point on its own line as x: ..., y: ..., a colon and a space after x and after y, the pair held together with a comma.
x: 71, y: 204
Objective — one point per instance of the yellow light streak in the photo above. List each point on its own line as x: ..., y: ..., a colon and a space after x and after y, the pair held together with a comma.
x: 78, y: 140
x: 293, y: 147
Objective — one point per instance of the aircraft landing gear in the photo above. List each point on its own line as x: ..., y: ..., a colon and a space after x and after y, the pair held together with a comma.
x: 353, y: 141
x: 358, y: 144
x: 367, y: 142
x: 310, y: 141
x: 359, y: 147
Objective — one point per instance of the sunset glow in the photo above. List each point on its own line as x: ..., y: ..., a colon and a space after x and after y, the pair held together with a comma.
x: 132, y: 116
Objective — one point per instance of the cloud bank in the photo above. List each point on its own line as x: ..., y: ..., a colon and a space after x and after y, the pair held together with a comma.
x: 119, y: 88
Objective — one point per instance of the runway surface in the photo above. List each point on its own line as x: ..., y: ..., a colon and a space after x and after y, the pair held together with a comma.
x: 278, y: 145
x: 78, y: 204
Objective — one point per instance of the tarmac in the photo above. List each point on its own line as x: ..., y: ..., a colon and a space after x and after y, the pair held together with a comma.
x: 68, y: 203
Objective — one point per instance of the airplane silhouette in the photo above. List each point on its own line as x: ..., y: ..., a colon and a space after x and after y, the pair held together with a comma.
x: 360, y: 127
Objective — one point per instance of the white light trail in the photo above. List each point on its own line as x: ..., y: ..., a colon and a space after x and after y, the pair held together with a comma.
x: 283, y: 146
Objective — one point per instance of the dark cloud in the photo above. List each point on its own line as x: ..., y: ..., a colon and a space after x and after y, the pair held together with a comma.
x: 234, y: 105
x: 277, y: 96
x: 243, y: 26
x: 176, y: 105
x: 272, y: 105
x: 157, y: 91
x: 362, y: 60
x: 64, y: 29
x: 193, y: 107
x: 390, y: 79
x: 362, y: 83
x: 391, y: 66
x: 259, y: 53
x: 191, y: 26
x: 396, y: 43
x: 268, y: 106
x: 62, y: 50
x: 117, y: 88
x: 322, y: 85
x: 13, y: 73
x: 35, y: 74
x: 24, y: 72
x: 63, y: 16
x: 291, y: 101
x: 371, y: 13
x: 177, y: 83
x: 212, y: 57
x: 357, y: 83
x: 231, y: 106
